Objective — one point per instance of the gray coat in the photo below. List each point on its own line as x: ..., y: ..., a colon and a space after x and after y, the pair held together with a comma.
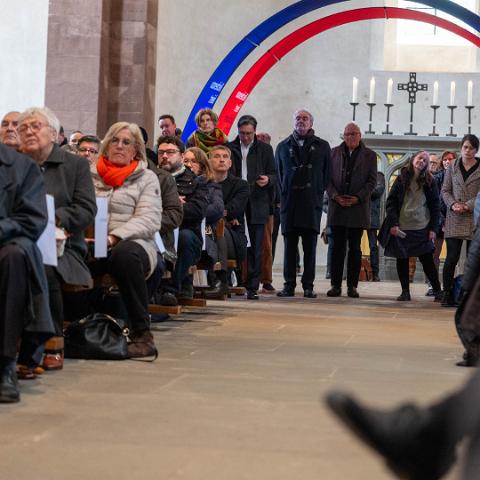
x: 455, y: 189
x: 68, y: 180
x: 376, y: 201
x: 363, y: 181
x: 23, y: 217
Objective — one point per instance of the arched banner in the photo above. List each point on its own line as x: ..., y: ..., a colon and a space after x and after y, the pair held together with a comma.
x: 246, y: 85
x: 253, y: 39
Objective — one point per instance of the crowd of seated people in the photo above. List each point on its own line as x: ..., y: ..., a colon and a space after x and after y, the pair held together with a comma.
x: 164, y: 206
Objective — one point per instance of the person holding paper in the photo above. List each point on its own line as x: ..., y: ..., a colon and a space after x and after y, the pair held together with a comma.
x: 411, y: 223
x: 68, y: 180
x: 135, y: 215
x: 24, y: 309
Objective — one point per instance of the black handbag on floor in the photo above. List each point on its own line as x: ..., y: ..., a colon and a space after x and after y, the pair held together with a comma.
x: 97, y: 337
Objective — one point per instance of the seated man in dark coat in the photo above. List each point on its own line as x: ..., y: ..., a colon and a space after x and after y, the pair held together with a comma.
x: 23, y: 285
x: 193, y: 197
x: 235, y: 197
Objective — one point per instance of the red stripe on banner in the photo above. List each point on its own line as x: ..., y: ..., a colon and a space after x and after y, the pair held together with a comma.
x: 247, y: 84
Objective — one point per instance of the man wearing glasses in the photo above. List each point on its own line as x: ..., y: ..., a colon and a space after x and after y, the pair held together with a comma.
x: 353, y: 176
x: 88, y: 147
x: 253, y: 161
x: 193, y: 197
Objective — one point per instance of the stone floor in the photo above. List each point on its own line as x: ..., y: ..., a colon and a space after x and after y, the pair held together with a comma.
x: 236, y: 393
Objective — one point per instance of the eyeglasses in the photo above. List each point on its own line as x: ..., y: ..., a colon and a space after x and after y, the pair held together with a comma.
x: 169, y: 153
x: 249, y: 134
x: 35, y: 127
x: 88, y: 150
x: 123, y: 141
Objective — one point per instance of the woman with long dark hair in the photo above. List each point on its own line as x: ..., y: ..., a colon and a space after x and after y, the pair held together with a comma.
x: 411, y: 223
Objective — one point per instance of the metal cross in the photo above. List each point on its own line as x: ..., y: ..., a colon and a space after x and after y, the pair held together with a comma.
x: 412, y: 87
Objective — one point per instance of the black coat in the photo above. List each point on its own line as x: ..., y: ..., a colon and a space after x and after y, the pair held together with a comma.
x: 376, y: 200
x: 260, y: 161
x: 68, y: 180
x: 363, y: 181
x: 23, y: 217
x: 195, y: 192
x: 472, y: 265
x: 304, y: 173
x: 235, y: 197
x: 395, y: 201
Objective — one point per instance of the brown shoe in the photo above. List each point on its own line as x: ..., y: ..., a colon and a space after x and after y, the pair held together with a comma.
x: 53, y: 361
x: 142, y: 345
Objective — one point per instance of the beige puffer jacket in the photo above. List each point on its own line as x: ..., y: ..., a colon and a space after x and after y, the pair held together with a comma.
x: 134, y: 209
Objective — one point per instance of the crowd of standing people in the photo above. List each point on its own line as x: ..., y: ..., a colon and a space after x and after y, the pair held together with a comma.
x: 208, y: 201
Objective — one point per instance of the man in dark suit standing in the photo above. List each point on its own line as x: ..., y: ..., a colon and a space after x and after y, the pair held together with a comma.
x: 353, y: 178
x: 253, y: 161
x: 303, y: 161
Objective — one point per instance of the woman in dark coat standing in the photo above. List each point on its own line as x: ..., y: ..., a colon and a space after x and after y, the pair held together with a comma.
x: 67, y: 178
x: 411, y: 223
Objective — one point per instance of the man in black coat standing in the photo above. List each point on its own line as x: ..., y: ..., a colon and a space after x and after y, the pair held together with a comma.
x: 253, y: 161
x: 353, y: 178
x: 303, y: 161
x: 24, y: 309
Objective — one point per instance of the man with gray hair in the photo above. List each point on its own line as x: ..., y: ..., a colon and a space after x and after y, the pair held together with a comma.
x: 8, y: 130
x: 353, y: 177
x: 303, y: 161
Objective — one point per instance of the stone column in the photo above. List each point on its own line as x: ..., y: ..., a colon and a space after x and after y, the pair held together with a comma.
x: 101, y: 63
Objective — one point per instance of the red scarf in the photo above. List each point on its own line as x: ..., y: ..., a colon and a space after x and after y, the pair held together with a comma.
x: 112, y: 174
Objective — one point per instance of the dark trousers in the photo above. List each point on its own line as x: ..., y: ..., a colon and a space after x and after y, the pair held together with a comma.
x: 309, y: 244
x: 454, y: 248
x: 254, y: 256
x: 342, y: 236
x: 373, y: 246
x: 189, y: 252
x: 55, y: 298
x: 329, y: 250
x: 14, y: 274
x: 275, y: 230
x: 428, y: 268
x: 128, y: 263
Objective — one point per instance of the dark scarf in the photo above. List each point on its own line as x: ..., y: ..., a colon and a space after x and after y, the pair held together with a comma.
x: 298, y: 137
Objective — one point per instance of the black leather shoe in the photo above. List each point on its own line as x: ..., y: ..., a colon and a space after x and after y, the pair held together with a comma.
x: 375, y: 278
x: 309, y: 293
x: 449, y: 300
x: 252, y: 295
x: 334, y: 292
x: 404, y: 296
x: 413, y: 442
x: 9, y: 392
x: 286, y: 293
x: 352, y: 292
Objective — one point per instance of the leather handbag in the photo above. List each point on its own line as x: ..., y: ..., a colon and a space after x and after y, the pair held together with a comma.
x: 97, y: 337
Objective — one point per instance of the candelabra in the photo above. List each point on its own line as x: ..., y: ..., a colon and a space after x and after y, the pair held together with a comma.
x: 434, y: 123
x: 354, y: 105
x: 452, y: 110
x: 370, y: 106
x: 387, y: 122
x: 469, y: 109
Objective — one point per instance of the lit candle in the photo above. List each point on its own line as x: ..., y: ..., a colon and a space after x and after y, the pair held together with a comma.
x: 372, y: 90
x: 389, y: 91
x: 452, y: 93
x: 355, y: 90
x: 435, y: 93
x: 470, y: 93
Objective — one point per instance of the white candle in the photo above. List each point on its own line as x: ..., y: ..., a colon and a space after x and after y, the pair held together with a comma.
x: 355, y: 90
x: 389, y: 91
x: 452, y: 93
x: 435, y: 93
x: 372, y: 90
x: 470, y: 93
